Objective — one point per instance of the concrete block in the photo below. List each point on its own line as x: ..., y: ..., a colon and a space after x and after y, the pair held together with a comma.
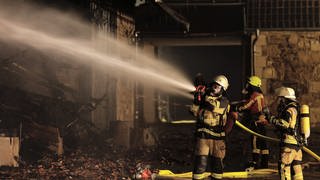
x: 262, y: 40
x: 264, y: 51
x: 303, y: 56
x: 293, y: 39
x: 264, y: 85
x: 273, y: 51
x: 260, y: 61
x: 314, y: 87
x: 315, y: 46
x: 257, y: 50
x: 269, y: 72
x: 125, y: 100
x: 314, y: 116
x: 258, y: 71
x: 314, y: 57
x: 121, y: 134
x: 9, y: 151
x: 149, y: 138
x: 275, y: 39
x: 301, y: 44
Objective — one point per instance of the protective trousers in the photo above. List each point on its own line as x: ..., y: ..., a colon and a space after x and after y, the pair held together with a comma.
x: 259, y: 149
x: 209, y: 148
x: 290, y: 160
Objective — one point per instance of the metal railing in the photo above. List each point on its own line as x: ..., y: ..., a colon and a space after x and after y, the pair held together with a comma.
x: 283, y: 14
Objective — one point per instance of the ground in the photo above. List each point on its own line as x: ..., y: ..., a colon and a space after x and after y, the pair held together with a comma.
x: 104, y: 160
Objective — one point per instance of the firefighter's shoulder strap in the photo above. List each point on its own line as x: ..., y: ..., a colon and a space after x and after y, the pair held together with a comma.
x: 288, y: 112
x: 290, y: 105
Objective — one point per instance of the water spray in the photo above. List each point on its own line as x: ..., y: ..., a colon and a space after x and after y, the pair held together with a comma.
x: 81, y: 49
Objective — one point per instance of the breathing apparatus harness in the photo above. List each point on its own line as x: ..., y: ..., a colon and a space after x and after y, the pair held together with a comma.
x: 302, y: 119
x: 205, y: 130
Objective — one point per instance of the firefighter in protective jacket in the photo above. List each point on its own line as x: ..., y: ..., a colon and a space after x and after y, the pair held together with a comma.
x: 210, y: 131
x: 253, y: 110
x: 287, y: 122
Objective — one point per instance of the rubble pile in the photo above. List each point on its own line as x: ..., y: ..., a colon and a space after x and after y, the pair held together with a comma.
x: 102, y: 159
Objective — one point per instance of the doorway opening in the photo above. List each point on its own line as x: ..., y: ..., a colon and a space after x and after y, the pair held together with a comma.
x: 208, y: 60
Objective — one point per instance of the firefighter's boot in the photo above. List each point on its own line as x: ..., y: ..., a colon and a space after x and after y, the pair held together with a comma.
x: 264, y: 161
x: 254, y: 163
x: 200, y: 167
x: 217, y: 169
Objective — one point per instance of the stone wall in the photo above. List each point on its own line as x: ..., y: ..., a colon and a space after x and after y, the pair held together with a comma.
x: 290, y: 58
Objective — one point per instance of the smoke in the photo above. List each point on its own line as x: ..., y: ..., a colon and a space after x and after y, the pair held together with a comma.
x: 65, y: 35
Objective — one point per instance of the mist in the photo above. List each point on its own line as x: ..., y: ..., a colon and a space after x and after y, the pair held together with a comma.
x: 67, y: 36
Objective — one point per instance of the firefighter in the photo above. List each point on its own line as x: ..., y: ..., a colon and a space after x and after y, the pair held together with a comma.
x: 253, y: 112
x: 287, y: 123
x: 210, y: 131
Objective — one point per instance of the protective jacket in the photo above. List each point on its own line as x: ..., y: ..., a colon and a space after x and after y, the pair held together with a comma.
x: 254, y: 104
x: 212, y: 117
x: 287, y: 122
x: 290, y: 150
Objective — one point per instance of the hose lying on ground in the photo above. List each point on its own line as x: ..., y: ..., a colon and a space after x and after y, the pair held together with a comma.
x: 305, y: 149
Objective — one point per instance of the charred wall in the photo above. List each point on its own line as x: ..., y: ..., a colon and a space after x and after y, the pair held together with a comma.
x: 116, y: 115
x: 50, y: 90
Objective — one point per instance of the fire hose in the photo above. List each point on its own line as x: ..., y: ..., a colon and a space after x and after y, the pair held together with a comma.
x: 304, y: 148
x: 240, y: 174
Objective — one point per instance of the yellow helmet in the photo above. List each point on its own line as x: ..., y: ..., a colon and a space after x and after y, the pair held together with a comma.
x: 222, y: 81
x: 254, y: 81
x: 286, y: 92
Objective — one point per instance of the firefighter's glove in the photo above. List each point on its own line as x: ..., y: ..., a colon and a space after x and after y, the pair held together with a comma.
x: 283, y: 123
x: 240, y: 108
x: 305, y: 142
x: 279, y: 122
x: 272, y: 119
x: 194, y: 109
x: 262, y: 120
x: 233, y: 108
x: 266, y: 112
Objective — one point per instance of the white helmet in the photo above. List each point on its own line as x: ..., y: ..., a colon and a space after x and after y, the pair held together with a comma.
x: 286, y: 92
x: 222, y: 81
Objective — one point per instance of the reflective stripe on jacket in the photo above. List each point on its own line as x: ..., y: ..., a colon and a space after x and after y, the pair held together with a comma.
x: 213, y: 120
x: 255, y: 103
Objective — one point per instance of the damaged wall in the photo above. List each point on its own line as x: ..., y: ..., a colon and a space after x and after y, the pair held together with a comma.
x: 125, y: 87
x: 119, y: 104
x: 36, y: 89
x: 52, y: 90
x: 290, y: 58
x: 116, y: 115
